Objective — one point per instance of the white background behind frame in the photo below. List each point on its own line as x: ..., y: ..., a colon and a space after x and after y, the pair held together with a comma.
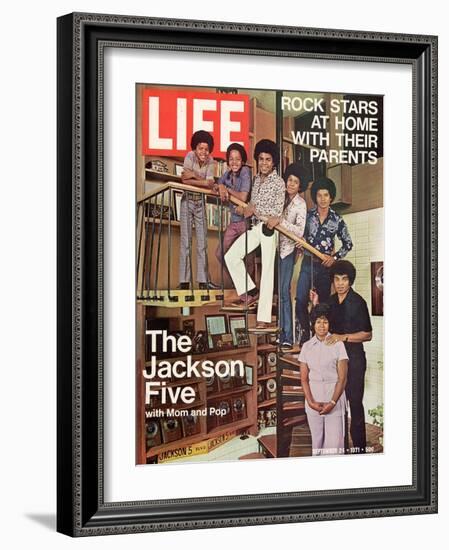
x: 28, y: 464
x: 123, y: 68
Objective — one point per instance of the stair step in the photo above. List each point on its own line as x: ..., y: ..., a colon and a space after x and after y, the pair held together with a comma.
x: 289, y: 360
x: 301, y: 419
x: 290, y: 379
x: 291, y: 398
x: 293, y: 406
x: 292, y: 390
x: 180, y: 298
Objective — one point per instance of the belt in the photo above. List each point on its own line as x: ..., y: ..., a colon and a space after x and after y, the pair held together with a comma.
x: 312, y: 257
x: 193, y: 196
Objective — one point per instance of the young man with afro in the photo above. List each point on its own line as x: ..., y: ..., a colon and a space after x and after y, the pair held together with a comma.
x: 293, y: 219
x: 199, y: 170
x: 235, y: 182
x: 323, y: 224
x: 267, y: 200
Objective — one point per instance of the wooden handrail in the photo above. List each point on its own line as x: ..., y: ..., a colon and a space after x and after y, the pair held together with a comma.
x: 237, y: 202
x: 163, y: 187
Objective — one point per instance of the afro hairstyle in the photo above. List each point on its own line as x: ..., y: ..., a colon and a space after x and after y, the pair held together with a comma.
x: 304, y: 176
x: 323, y: 183
x: 269, y: 147
x: 343, y: 267
x: 201, y: 136
x: 240, y: 149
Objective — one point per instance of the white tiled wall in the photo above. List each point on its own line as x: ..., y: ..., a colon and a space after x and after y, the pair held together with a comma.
x: 367, y: 231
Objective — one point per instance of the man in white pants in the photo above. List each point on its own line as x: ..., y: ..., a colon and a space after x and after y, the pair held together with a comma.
x: 267, y: 200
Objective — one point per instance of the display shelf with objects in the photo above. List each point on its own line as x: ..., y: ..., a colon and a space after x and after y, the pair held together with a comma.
x: 234, y: 394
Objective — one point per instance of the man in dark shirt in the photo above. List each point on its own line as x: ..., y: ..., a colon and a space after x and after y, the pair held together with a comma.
x: 349, y: 322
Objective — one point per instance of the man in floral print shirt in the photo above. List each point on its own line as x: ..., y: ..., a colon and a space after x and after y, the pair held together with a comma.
x: 267, y: 201
x: 323, y: 224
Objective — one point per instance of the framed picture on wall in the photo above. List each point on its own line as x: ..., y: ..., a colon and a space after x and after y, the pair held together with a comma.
x: 377, y: 288
x: 121, y: 274
x: 215, y: 325
x: 237, y: 322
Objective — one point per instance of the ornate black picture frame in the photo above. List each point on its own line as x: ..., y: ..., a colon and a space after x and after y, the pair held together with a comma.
x: 82, y: 510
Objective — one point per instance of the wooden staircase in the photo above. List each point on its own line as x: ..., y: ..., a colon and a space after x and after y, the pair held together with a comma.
x: 181, y: 298
x: 290, y: 404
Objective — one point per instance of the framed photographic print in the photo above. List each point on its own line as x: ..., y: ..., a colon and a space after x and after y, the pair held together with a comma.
x: 138, y: 400
x: 188, y: 327
x: 377, y: 288
x: 221, y: 341
x: 237, y: 322
x: 241, y: 337
x: 179, y: 168
x: 215, y: 324
x: 199, y: 342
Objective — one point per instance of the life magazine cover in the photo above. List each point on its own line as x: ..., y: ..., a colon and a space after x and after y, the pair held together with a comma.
x: 259, y: 274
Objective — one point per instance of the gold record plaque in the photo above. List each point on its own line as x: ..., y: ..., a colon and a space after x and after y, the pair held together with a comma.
x: 190, y: 425
x: 225, y: 382
x: 260, y: 392
x: 238, y: 408
x: 239, y: 380
x: 260, y: 363
x: 171, y: 430
x: 153, y: 433
x: 271, y: 362
x: 271, y: 388
x: 211, y: 383
x: 225, y: 415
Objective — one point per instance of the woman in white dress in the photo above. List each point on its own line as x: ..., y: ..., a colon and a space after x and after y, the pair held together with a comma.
x: 324, y: 368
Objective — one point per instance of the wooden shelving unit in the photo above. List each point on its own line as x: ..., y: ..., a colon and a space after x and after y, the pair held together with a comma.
x: 162, y: 176
x: 228, y: 393
x: 248, y: 424
x: 266, y: 347
x: 266, y: 376
x: 267, y: 406
x: 267, y: 403
x: 232, y: 426
x: 262, y: 124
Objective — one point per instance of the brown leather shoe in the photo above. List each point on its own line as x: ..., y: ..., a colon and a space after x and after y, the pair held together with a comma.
x: 243, y: 303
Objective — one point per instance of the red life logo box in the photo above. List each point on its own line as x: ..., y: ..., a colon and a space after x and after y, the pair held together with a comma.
x: 170, y: 117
